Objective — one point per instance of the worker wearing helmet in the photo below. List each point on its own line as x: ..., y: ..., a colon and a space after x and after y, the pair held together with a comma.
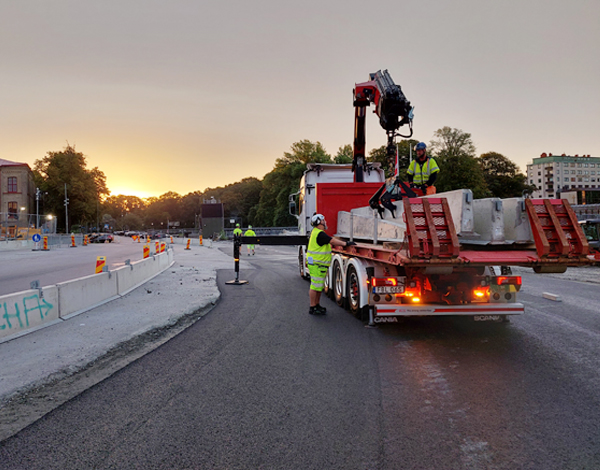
x: 319, y: 259
x: 250, y: 233
x: 423, y: 170
x: 237, y: 230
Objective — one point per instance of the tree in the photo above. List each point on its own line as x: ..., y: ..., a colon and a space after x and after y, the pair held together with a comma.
x: 502, y: 176
x: 380, y: 155
x: 85, y: 188
x: 454, y: 151
x: 283, y: 180
x: 238, y: 198
x: 118, y: 206
x: 345, y: 154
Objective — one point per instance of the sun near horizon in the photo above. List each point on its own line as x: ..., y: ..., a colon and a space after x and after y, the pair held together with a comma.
x: 123, y: 191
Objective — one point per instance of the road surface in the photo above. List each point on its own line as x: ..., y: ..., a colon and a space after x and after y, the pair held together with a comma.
x: 19, y: 267
x: 260, y: 384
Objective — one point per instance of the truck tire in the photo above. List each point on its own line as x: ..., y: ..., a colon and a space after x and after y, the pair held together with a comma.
x: 353, y: 294
x: 338, y: 285
x: 301, y: 264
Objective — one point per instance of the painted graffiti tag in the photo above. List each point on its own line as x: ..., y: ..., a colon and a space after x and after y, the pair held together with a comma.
x: 19, y: 317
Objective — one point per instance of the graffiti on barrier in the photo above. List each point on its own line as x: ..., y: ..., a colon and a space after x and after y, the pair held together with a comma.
x: 19, y: 317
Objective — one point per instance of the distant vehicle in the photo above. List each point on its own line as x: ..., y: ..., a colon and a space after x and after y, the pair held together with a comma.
x: 158, y: 235
x: 591, y: 228
x: 102, y: 238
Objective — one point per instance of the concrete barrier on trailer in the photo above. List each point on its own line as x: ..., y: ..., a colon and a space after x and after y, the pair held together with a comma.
x: 27, y: 311
x: 85, y: 293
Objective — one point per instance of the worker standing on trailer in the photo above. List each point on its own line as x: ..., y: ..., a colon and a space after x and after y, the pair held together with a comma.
x: 250, y: 233
x: 237, y: 230
x: 423, y: 170
x: 319, y: 259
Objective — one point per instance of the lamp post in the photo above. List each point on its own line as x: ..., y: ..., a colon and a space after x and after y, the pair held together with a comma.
x: 37, y: 208
x: 66, y: 211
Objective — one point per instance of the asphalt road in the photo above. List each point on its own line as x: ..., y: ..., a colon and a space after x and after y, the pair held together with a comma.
x: 260, y: 384
x: 18, y: 268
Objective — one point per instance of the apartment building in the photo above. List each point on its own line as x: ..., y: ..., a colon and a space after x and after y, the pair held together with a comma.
x: 554, y: 174
x: 17, y: 196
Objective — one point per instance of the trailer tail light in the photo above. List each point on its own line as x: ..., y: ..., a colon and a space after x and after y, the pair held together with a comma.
x: 508, y: 280
x: 384, y: 281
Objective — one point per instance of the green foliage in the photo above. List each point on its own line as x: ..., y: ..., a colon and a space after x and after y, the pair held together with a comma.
x: 85, y: 188
x: 131, y: 221
x: 238, y: 198
x: 345, y: 154
x: 283, y: 180
x: 454, y: 152
x: 380, y: 155
x: 502, y: 176
x: 120, y: 205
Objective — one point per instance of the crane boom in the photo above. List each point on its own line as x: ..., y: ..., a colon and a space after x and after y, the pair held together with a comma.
x: 392, y: 108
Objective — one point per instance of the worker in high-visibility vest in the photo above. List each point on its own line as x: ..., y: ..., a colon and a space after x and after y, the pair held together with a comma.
x: 318, y: 256
x: 237, y: 230
x: 423, y: 170
x: 250, y: 233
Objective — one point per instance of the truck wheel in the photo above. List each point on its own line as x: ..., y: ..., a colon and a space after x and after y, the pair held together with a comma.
x: 327, y: 288
x: 354, y: 294
x: 338, y: 284
x: 301, y: 264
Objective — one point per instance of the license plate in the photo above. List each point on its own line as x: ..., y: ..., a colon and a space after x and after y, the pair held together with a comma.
x: 388, y: 289
x: 487, y: 318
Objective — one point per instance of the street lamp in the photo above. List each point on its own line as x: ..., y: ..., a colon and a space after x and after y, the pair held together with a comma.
x: 37, y: 208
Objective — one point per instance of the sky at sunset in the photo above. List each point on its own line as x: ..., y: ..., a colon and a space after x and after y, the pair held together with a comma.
x: 189, y: 94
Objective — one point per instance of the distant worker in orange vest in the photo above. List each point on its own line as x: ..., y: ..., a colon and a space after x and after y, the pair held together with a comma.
x: 250, y: 233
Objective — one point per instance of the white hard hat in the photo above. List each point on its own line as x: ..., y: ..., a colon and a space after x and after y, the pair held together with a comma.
x: 317, y: 219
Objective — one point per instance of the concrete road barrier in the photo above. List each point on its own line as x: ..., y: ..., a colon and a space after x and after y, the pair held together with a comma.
x: 82, y: 294
x: 27, y: 311
x: 134, y: 275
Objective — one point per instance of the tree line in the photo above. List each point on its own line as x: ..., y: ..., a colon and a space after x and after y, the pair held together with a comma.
x: 262, y: 203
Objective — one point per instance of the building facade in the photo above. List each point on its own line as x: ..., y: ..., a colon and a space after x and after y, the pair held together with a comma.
x: 554, y: 174
x: 17, y: 196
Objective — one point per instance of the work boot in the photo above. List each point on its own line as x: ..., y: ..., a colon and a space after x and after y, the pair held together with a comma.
x: 322, y: 310
x: 316, y: 310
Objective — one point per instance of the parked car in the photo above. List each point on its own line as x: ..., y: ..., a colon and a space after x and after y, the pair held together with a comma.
x: 102, y: 238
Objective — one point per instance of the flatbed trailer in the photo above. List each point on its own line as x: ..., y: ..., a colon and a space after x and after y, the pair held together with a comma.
x: 431, y: 272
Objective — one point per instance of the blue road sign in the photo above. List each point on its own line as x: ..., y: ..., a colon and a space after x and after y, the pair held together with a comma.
x: 36, y: 237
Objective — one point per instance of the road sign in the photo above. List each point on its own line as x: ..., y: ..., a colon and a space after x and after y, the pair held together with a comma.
x: 36, y: 237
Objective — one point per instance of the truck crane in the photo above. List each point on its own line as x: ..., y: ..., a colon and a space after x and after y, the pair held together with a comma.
x: 433, y: 255
x: 394, y: 111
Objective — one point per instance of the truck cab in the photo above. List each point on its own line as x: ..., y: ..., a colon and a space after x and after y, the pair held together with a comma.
x: 316, y: 196
x: 327, y: 188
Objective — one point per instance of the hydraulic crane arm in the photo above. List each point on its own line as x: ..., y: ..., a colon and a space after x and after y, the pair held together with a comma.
x: 393, y: 109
